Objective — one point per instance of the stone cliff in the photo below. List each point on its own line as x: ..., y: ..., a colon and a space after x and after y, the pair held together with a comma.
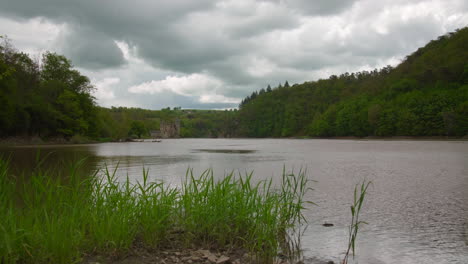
x: 170, y: 129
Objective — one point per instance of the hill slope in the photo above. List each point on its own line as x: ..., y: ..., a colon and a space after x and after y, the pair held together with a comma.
x: 426, y: 95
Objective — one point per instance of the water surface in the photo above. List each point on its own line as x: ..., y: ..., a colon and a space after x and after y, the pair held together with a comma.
x: 417, y: 207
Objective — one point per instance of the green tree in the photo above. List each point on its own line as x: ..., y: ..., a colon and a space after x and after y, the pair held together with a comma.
x: 423, y: 96
x: 137, y: 128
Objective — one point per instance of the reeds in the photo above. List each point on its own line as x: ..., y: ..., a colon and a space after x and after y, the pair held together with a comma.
x: 358, y: 201
x: 51, y: 218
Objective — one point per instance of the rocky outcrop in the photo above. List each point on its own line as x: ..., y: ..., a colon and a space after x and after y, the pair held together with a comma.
x: 170, y: 129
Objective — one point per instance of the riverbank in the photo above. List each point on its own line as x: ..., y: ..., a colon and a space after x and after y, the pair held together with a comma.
x: 396, y: 138
x: 35, y: 140
x: 51, y: 217
x: 32, y: 141
x: 191, y: 255
x: 142, y: 255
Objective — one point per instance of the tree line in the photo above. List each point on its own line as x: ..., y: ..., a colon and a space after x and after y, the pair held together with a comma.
x: 426, y: 95
x: 122, y: 122
x: 45, y: 97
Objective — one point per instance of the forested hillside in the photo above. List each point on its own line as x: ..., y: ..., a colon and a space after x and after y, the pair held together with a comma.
x: 48, y: 98
x: 122, y: 122
x: 45, y: 97
x: 426, y: 95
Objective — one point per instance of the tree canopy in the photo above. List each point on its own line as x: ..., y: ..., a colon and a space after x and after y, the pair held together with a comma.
x: 47, y: 98
x: 426, y: 95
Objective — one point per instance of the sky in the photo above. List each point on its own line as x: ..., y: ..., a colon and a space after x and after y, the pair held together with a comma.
x: 208, y: 54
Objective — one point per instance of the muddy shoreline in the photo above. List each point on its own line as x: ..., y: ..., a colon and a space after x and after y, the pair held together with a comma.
x: 37, y: 141
x: 141, y: 255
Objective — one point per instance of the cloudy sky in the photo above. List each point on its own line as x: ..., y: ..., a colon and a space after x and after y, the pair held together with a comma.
x: 211, y: 54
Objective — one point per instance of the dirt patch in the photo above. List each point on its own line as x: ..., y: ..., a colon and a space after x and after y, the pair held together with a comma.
x: 191, y: 256
x: 172, y: 256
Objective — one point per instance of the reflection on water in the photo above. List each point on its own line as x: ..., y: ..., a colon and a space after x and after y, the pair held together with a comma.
x: 57, y: 158
x: 417, y: 207
x: 159, y: 166
x: 234, y: 151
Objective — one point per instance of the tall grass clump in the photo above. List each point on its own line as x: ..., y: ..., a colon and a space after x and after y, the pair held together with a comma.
x: 49, y: 216
x: 358, y: 201
x: 236, y: 212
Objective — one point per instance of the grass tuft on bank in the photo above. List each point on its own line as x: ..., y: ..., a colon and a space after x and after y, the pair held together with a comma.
x: 49, y: 217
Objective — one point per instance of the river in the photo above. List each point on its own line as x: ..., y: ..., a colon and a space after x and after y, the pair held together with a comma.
x: 416, y: 209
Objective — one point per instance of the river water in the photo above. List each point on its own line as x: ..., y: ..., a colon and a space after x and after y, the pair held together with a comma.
x: 416, y: 209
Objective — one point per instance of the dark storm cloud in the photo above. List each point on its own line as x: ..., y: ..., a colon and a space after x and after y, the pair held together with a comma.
x: 90, y: 49
x: 230, y: 48
x: 94, y: 25
x: 183, y: 36
x: 118, y: 11
x: 318, y: 7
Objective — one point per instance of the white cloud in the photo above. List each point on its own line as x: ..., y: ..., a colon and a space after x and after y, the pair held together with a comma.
x: 189, y: 85
x: 206, y: 88
x: 104, y: 88
x: 32, y: 36
x: 129, y: 52
x: 260, y: 66
x: 217, y: 98
x: 196, y: 53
